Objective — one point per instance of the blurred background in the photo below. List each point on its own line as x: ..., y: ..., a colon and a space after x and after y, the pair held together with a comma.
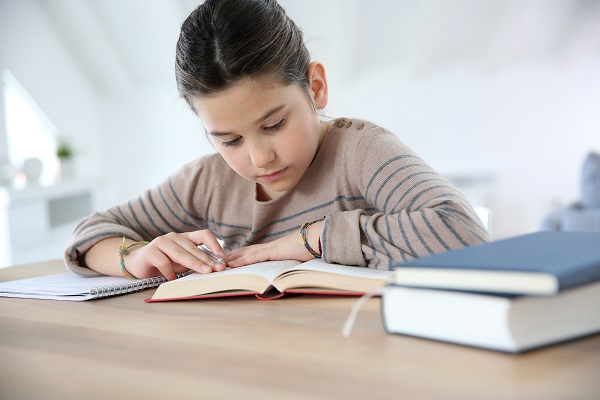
x: 501, y: 96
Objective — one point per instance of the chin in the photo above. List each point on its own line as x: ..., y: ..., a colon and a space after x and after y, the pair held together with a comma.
x: 280, y: 187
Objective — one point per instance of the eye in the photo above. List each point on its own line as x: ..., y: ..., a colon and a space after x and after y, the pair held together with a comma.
x: 275, y: 127
x: 232, y: 142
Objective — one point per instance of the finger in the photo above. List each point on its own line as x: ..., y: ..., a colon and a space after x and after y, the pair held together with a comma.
x: 170, y: 246
x: 251, y: 256
x: 242, y: 251
x: 208, y: 238
x: 204, y: 258
x: 179, y: 268
x: 155, y: 258
x: 235, y: 254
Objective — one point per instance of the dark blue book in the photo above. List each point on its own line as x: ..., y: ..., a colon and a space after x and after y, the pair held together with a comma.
x: 540, y: 263
x: 481, y: 295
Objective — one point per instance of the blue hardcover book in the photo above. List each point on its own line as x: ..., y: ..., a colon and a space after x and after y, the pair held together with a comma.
x: 485, y: 303
x: 540, y: 263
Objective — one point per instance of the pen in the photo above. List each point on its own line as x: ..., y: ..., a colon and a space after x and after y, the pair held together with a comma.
x: 212, y: 255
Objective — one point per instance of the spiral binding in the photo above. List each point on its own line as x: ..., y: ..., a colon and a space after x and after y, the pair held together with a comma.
x: 130, y: 287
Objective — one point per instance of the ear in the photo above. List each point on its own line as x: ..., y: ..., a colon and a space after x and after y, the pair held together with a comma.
x: 317, y: 82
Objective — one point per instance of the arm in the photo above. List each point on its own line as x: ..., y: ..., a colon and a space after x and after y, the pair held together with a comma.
x: 289, y: 247
x: 407, y: 210
x: 166, y: 255
x: 415, y: 211
x: 152, y: 217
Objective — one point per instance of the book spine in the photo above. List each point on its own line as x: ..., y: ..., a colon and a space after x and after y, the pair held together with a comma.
x: 130, y: 287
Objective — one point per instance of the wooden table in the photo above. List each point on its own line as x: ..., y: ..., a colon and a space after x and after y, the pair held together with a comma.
x: 245, y: 348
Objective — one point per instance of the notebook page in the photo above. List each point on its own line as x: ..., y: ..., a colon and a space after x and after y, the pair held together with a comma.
x: 64, y: 284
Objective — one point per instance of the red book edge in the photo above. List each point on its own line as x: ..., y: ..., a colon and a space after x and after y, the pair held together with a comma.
x: 258, y: 295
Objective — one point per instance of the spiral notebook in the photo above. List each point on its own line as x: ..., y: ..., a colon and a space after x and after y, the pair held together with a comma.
x: 69, y: 286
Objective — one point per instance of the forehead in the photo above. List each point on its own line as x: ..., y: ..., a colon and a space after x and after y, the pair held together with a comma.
x: 245, y: 100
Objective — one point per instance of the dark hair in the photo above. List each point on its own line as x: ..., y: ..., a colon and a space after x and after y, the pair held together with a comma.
x: 223, y: 41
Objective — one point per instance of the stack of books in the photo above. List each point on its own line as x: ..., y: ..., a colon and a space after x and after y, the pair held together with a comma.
x: 510, y: 295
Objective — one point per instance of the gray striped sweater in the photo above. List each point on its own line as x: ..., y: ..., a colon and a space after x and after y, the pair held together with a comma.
x: 382, y: 205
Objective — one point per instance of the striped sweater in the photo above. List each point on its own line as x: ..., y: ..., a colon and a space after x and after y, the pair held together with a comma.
x: 382, y: 205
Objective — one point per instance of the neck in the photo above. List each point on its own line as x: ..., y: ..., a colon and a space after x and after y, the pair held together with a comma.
x: 263, y: 193
x: 325, y: 128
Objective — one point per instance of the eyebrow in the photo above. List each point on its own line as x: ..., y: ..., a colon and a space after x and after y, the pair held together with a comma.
x: 258, y: 121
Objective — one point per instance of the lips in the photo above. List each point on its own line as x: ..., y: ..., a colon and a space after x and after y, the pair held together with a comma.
x: 274, y: 176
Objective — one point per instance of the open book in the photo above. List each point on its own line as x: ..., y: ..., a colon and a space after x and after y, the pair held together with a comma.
x: 270, y: 280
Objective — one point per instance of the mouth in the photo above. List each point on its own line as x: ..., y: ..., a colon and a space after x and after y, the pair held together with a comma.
x: 274, y: 176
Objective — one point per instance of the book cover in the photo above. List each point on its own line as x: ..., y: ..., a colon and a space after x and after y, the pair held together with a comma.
x: 540, y: 263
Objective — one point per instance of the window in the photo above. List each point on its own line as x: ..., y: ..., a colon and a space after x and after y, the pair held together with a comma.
x: 29, y: 133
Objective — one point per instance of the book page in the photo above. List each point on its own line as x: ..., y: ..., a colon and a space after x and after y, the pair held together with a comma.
x: 269, y: 270
x: 316, y: 273
x: 255, y: 278
x: 347, y: 270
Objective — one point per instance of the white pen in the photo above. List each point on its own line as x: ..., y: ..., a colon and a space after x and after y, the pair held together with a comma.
x: 212, y: 255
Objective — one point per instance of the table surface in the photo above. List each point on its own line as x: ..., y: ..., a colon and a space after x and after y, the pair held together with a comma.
x: 291, y: 348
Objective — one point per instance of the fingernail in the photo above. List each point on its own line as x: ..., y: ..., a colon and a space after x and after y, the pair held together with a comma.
x: 205, y: 268
x: 218, y: 267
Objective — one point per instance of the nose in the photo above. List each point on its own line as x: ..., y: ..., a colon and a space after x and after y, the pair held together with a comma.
x: 262, y: 154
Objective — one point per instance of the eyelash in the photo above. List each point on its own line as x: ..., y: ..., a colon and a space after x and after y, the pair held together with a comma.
x: 231, y: 142
x: 272, y: 128
x: 276, y: 127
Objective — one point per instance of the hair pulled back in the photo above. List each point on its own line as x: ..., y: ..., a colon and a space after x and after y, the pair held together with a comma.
x: 224, y: 41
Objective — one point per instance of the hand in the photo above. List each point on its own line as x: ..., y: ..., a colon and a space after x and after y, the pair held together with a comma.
x: 289, y: 247
x: 173, y: 253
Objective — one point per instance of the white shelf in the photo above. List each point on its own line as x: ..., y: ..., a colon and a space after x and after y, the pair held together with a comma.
x: 36, y: 222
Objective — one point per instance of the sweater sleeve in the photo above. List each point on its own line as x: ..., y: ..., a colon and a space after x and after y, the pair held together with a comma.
x: 170, y: 207
x: 414, y: 211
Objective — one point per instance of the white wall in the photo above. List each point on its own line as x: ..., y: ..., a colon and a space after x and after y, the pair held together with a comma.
x: 33, y: 52
x: 152, y: 133
x: 125, y: 142
x: 529, y: 125
x: 37, y: 57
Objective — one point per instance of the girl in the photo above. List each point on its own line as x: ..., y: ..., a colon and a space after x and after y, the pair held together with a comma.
x: 284, y: 184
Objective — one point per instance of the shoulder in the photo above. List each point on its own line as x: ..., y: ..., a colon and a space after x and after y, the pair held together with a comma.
x: 361, y: 137
x: 354, y: 130
x: 353, y: 126
x: 368, y: 151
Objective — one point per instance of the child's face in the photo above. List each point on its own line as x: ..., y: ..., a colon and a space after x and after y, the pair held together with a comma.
x: 266, y: 132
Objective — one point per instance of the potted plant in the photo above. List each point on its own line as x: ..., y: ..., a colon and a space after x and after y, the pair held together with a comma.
x: 64, y: 152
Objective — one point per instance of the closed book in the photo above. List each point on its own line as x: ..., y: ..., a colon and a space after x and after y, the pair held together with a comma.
x: 540, y: 263
x: 498, y: 322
